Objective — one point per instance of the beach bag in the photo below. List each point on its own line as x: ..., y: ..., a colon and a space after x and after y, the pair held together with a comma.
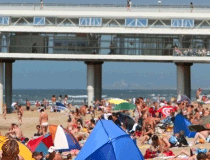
x: 173, y: 140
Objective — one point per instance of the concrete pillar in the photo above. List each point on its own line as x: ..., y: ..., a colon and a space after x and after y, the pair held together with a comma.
x: 90, y: 83
x: 8, y: 84
x: 1, y: 86
x: 184, y: 79
x: 98, y: 80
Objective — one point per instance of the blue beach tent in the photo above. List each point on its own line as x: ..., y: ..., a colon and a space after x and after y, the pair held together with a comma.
x: 109, y: 142
x: 181, y: 123
x: 60, y: 106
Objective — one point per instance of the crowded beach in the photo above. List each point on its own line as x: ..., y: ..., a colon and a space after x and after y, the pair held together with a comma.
x: 110, y: 129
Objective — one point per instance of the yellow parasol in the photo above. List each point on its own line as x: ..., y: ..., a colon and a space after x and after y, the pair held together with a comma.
x: 116, y: 101
x: 24, y: 151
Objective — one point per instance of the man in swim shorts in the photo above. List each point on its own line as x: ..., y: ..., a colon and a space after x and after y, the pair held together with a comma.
x: 43, y: 119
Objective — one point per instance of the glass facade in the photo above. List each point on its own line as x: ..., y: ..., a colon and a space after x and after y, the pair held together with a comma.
x: 130, y: 22
x: 4, y: 20
x: 186, y: 23
x: 39, y: 21
x: 121, y: 44
x: 90, y: 22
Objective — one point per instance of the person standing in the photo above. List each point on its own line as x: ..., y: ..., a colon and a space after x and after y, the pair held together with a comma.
x: 20, y: 114
x: 53, y: 99
x: 41, y: 7
x: 28, y: 105
x: 191, y: 6
x: 65, y: 100
x: 43, y: 120
x: 4, y: 111
x: 130, y: 3
x: 111, y: 46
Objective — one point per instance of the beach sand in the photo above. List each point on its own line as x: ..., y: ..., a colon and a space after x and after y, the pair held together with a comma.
x: 31, y: 119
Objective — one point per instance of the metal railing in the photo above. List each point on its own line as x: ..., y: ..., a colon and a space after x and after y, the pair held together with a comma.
x: 102, y: 5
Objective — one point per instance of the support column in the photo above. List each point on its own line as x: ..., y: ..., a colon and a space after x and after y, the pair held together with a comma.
x: 1, y: 86
x: 98, y: 80
x: 90, y: 82
x: 8, y: 84
x: 184, y: 79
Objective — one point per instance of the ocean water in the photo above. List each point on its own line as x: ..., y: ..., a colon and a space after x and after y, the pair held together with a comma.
x: 78, y: 97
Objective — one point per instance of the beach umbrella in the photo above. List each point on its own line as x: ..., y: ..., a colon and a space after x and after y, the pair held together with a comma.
x: 204, y: 125
x: 107, y: 141
x: 127, y: 120
x: 25, y: 153
x: 166, y: 110
x: 63, y: 139
x: 41, y: 144
x: 182, y: 98
x: 125, y: 106
x: 116, y: 101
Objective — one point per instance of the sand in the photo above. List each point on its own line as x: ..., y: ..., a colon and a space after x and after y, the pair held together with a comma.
x: 31, y: 119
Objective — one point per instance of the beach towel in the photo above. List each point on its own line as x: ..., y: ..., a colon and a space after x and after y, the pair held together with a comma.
x: 150, y: 154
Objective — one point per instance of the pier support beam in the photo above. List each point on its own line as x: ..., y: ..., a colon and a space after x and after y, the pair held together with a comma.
x: 8, y: 85
x: 184, y: 79
x: 94, y: 81
x: 90, y: 82
x: 1, y: 86
x: 98, y: 80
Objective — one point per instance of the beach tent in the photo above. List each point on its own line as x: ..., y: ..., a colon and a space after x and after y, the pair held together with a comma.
x: 181, y: 123
x: 60, y: 106
x: 126, y: 119
x: 41, y: 144
x: 107, y: 141
x: 63, y: 139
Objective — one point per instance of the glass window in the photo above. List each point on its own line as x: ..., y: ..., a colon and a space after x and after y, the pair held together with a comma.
x: 90, y: 21
x: 4, y: 20
x: 130, y: 22
x: 39, y: 20
x: 188, y: 23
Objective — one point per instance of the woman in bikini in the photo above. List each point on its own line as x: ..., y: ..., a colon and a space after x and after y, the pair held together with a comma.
x: 20, y: 114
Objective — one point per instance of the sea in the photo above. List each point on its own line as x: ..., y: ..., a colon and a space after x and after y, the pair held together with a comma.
x: 79, y: 97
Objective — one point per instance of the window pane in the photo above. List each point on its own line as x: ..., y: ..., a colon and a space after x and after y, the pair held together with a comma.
x: 176, y: 23
x: 141, y: 22
x: 188, y: 23
x: 84, y: 21
x: 4, y: 20
x: 130, y: 22
x: 39, y: 20
x: 96, y: 21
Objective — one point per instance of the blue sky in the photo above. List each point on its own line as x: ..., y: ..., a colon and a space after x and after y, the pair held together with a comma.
x: 117, y: 75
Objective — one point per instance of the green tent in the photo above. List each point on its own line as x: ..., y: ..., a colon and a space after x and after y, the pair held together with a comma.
x: 125, y: 106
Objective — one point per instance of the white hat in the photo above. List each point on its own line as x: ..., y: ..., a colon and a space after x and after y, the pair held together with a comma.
x: 51, y: 149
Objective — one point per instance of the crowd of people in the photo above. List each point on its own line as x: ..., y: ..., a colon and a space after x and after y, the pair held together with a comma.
x: 191, y: 52
x: 151, y: 126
